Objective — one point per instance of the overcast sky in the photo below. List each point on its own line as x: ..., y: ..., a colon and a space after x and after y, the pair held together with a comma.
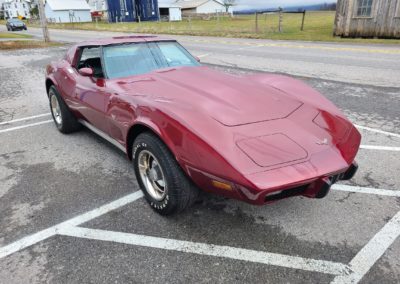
x: 255, y: 4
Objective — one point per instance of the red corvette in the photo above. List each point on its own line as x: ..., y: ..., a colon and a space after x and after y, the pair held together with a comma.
x: 257, y: 138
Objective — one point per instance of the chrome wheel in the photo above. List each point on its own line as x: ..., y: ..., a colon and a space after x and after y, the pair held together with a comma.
x: 152, y: 175
x: 55, y: 109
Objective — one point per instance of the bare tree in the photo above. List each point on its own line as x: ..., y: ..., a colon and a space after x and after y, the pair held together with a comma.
x: 228, y: 4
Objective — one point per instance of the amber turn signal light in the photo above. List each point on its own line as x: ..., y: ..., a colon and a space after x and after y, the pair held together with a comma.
x: 221, y: 185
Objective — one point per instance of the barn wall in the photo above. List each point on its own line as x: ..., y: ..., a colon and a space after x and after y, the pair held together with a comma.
x: 384, y: 21
x: 131, y: 10
x: 175, y: 14
x: 63, y: 16
x: 210, y: 7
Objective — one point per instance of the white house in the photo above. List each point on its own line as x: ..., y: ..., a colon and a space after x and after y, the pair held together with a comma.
x: 97, y: 5
x: 169, y: 12
x: 17, y: 8
x: 201, y: 6
x: 63, y: 11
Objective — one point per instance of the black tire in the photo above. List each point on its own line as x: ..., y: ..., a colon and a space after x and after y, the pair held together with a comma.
x: 180, y: 192
x: 8, y: 28
x: 68, y: 122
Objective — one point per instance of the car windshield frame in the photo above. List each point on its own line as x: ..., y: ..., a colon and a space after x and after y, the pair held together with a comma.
x: 156, y: 54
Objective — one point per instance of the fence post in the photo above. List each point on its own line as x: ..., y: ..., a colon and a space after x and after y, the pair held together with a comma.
x: 302, y: 21
x: 256, y: 22
x: 280, y: 20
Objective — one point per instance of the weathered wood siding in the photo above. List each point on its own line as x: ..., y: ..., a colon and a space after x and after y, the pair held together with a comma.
x: 384, y: 21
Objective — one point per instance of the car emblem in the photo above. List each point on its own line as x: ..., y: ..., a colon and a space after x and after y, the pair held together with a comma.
x: 323, y: 142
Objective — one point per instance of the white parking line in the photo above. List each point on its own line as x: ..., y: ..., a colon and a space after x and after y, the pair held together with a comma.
x: 367, y: 147
x: 203, y: 55
x: 25, y: 126
x: 78, y: 220
x: 371, y: 252
x: 380, y: 148
x: 378, y: 131
x: 25, y: 118
x: 268, y: 258
x: 366, y: 190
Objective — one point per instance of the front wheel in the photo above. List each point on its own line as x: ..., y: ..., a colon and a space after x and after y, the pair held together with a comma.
x: 62, y: 116
x: 166, y: 187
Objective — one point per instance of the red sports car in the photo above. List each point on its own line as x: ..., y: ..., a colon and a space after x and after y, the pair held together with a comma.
x: 257, y: 138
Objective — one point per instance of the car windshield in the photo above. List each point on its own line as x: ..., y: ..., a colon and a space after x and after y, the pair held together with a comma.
x: 140, y: 58
x: 15, y: 21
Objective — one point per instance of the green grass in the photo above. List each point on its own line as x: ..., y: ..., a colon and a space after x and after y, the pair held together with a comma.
x: 318, y: 27
x: 25, y: 44
x: 14, y: 35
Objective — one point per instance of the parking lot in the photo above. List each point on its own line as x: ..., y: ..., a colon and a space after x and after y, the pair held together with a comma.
x: 71, y: 210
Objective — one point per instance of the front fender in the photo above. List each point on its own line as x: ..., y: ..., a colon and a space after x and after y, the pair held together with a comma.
x: 195, y: 156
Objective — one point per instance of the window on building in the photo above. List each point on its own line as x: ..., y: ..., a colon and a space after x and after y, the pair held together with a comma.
x: 364, y: 8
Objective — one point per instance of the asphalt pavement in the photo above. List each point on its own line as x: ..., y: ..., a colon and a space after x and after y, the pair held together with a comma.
x: 376, y: 65
x: 71, y: 211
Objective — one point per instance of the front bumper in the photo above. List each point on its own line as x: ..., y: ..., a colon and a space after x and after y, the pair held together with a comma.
x: 316, y: 188
x: 18, y: 28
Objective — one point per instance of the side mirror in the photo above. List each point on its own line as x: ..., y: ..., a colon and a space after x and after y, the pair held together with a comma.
x: 87, y: 72
x: 197, y: 59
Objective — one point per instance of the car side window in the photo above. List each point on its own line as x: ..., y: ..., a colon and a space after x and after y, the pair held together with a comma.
x: 90, y: 58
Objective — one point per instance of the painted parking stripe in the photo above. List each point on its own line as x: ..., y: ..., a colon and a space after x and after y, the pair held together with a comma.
x: 371, y: 252
x: 378, y: 131
x: 25, y: 126
x: 78, y: 220
x: 366, y: 190
x: 203, y: 55
x: 27, y: 241
x: 25, y: 118
x: 380, y: 148
x: 268, y: 258
x: 367, y: 147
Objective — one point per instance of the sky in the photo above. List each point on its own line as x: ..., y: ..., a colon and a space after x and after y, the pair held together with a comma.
x: 257, y: 4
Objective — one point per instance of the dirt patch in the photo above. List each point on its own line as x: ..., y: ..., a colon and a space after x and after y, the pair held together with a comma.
x: 25, y: 44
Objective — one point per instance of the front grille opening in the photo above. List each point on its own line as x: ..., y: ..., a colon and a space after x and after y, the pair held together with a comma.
x: 287, y: 193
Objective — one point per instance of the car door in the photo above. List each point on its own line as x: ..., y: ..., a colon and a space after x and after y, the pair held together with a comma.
x: 90, y: 91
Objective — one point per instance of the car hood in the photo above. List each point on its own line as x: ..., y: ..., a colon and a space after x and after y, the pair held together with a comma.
x: 256, y: 123
x: 230, y: 100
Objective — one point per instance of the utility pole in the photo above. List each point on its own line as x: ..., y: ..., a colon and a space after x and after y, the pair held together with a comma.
x: 256, y: 22
x: 43, y: 22
x: 280, y: 20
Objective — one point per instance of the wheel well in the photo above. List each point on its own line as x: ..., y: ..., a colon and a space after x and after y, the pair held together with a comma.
x: 49, y: 83
x: 134, y: 132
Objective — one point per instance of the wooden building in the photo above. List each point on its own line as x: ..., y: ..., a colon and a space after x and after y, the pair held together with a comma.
x: 368, y: 18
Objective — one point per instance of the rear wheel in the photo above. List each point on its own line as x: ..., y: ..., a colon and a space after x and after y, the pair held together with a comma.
x: 62, y: 116
x: 166, y: 187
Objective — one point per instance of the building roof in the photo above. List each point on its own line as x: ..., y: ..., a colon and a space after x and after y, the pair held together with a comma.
x: 10, y: 1
x: 190, y: 4
x: 62, y: 5
x: 167, y: 5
